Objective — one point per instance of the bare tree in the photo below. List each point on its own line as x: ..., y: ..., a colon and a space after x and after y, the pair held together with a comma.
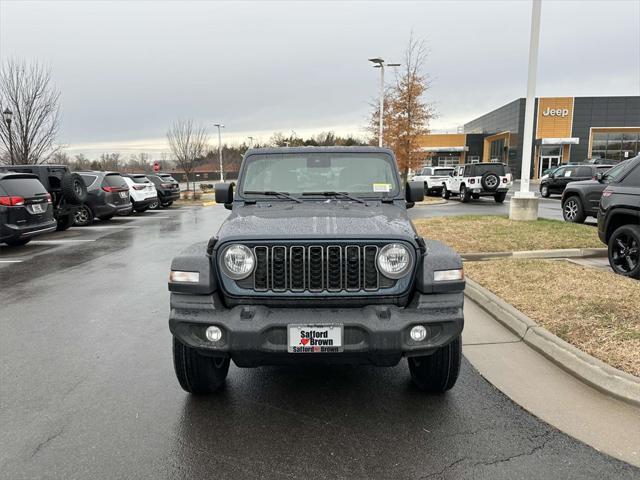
x: 188, y: 142
x: 28, y: 92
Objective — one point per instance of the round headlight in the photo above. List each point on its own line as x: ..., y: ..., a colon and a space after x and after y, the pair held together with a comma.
x: 238, y: 261
x: 394, y: 260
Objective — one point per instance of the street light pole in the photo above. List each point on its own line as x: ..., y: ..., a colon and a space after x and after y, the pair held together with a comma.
x: 379, y: 63
x: 7, y: 115
x: 220, y: 125
x: 250, y: 142
x: 524, y: 204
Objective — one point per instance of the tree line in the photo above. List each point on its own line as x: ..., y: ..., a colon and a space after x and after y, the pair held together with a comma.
x: 28, y: 92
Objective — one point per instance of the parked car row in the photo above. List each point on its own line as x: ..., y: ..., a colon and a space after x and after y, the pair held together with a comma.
x: 37, y: 199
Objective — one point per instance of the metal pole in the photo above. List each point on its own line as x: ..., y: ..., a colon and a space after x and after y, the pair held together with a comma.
x: 10, y: 143
x: 220, y: 153
x: 381, y: 127
x: 530, y: 102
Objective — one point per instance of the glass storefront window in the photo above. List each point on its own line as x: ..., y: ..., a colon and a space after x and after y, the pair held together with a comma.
x: 615, y: 145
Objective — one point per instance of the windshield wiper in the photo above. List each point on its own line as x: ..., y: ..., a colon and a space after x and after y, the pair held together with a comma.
x: 336, y: 194
x: 272, y: 193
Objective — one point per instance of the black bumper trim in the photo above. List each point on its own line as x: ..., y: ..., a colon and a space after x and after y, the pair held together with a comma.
x: 257, y: 335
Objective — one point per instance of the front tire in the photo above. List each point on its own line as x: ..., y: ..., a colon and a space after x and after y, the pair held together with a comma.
x: 446, y: 194
x: 572, y: 210
x: 197, y: 373
x: 106, y: 218
x: 499, y: 197
x: 465, y: 195
x: 624, y: 251
x: 544, y: 191
x: 438, y: 372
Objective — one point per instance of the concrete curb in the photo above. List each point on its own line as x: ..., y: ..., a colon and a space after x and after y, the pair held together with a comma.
x: 581, y: 365
x: 560, y: 253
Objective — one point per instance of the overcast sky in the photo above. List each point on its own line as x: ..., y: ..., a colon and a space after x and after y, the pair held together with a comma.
x: 126, y: 69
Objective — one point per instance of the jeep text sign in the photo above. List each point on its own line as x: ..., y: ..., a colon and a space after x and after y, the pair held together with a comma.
x: 555, y: 112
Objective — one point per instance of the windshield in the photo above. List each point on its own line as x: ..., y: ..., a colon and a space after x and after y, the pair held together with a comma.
x: 364, y: 174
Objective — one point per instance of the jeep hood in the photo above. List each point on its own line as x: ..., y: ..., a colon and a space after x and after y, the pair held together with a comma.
x: 317, y: 220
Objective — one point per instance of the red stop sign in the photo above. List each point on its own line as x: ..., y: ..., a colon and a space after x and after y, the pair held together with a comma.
x: 156, y: 167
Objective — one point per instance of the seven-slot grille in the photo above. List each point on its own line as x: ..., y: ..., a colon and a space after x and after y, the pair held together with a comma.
x: 316, y: 268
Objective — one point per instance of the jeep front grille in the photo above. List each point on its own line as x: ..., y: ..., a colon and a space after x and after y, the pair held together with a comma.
x: 316, y: 268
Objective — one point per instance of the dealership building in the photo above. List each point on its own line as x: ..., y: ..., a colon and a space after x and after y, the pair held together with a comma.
x: 566, y: 129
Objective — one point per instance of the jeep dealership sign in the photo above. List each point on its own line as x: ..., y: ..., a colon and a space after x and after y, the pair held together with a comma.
x: 555, y: 112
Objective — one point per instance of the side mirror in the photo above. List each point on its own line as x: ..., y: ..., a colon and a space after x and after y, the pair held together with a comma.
x: 600, y: 177
x: 224, y: 194
x: 414, y: 193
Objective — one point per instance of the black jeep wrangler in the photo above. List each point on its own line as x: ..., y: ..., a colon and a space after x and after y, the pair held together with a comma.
x: 67, y: 189
x: 318, y: 263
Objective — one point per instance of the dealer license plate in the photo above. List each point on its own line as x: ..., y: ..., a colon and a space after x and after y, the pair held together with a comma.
x: 37, y: 208
x: 123, y: 194
x: 314, y: 338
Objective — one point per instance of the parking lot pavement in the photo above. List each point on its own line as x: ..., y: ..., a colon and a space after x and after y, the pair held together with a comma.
x: 87, y: 388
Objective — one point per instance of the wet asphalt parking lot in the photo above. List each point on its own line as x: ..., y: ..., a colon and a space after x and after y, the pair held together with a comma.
x: 87, y: 388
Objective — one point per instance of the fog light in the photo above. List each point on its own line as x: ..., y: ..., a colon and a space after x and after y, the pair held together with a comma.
x: 418, y: 333
x: 214, y: 334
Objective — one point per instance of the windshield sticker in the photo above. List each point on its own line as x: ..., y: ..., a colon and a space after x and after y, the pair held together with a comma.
x: 381, y: 187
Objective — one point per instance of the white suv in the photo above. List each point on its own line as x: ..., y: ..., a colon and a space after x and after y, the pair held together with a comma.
x: 142, y: 191
x: 477, y: 180
x: 433, y: 178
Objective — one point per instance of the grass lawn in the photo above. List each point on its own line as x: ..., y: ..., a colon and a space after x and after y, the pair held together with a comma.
x: 595, y: 310
x: 484, y: 233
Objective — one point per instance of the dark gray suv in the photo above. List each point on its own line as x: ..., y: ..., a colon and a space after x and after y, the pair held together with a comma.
x: 317, y: 263
x: 107, y: 195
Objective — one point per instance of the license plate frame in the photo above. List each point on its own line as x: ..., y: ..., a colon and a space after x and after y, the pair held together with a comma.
x: 317, y: 342
x: 37, y: 208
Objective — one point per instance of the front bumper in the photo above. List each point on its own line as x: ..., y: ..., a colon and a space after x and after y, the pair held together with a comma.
x: 255, y: 335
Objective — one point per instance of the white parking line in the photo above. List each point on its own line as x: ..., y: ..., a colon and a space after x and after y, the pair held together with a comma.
x: 61, y: 240
x: 104, y: 227
x: 124, y: 219
x: 11, y: 261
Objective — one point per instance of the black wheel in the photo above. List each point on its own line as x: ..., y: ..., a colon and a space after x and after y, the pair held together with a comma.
x: 106, y: 218
x: 439, y: 371
x: 475, y: 196
x: 168, y: 204
x: 17, y: 242
x: 64, y: 222
x: 154, y: 205
x: 465, y: 195
x: 83, y: 216
x: 544, y: 191
x: 572, y: 210
x: 499, y: 197
x: 196, y: 373
x: 74, y: 189
x: 446, y: 194
x: 490, y: 181
x: 624, y: 251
